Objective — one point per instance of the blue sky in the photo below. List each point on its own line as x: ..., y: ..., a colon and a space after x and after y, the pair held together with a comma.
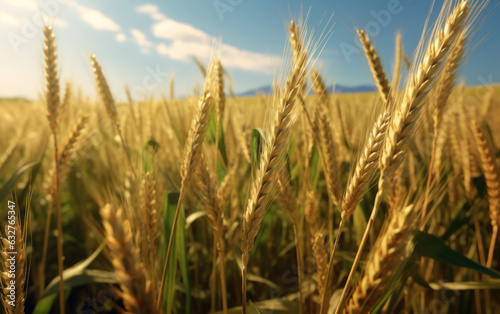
x: 142, y: 44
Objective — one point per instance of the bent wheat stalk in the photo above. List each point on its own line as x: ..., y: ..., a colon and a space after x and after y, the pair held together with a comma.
x: 387, y: 254
x: 270, y: 163
x: 137, y: 291
x: 109, y: 104
x: 62, y: 165
x: 53, y: 103
x: 191, y: 155
x: 356, y: 188
x: 492, y: 182
x: 405, y: 117
x: 211, y: 195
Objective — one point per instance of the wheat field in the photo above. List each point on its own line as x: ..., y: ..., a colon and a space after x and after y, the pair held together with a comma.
x: 299, y: 201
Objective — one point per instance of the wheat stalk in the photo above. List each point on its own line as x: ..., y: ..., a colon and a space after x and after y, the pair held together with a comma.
x: 211, y: 195
x: 270, y: 163
x: 56, y: 175
x: 52, y: 80
x: 219, y: 91
x: 109, y: 104
x: 378, y: 72
x: 103, y: 90
x: 387, y: 254
x: 366, y: 167
x: 405, y: 116
x: 66, y: 154
x: 447, y: 81
x: 397, y: 64
x: 151, y: 213
x: 191, y: 154
x: 490, y: 170
x: 287, y: 199
x: 137, y: 290
x: 66, y: 99
x: 320, y: 251
x: 331, y: 167
x: 53, y: 102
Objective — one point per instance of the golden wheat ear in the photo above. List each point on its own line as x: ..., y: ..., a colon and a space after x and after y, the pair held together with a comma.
x: 490, y: 170
x: 52, y: 79
x: 136, y: 287
x: 387, y: 254
x: 378, y: 72
x: 271, y: 159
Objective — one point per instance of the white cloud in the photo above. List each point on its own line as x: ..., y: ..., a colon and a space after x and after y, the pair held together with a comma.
x: 183, y: 50
x: 187, y: 41
x: 233, y: 57
x: 141, y: 40
x: 173, y: 30
x: 147, y: 8
x: 152, y: 10
x: 121, y: 37
x: 96, y: 19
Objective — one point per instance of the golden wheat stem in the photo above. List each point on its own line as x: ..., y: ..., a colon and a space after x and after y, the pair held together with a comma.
x: 491, y: 250
x: 443, y: 92
x: 53, y: 103
x: 401, y: 126
x: 492, y: 183
x: 327, y: 292
x: 136, y: 286
x: 397, y: 64
x: 270, y: 162
x: 343, y: 297
x: 109, y: 103
x: 191, y: 155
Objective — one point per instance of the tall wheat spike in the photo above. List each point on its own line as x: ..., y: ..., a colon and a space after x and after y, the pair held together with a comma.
x: 387, y: 254
x: 220, y: 95
x: 320, y: 251
x: 366, y: 166
x: 109, y: 104
x: 53, y: 102
x: 378, y: 72
x: 402, y: 124
x: 364, y: 172
x: 270, y: 163
x: 211, y: 195
x: 191, y: 155
x: 137, y: 291
x: 103, y: 90
x: 447, y: 81
x: 331, y: 167
x: 52, y: 79
x: 491, y: 174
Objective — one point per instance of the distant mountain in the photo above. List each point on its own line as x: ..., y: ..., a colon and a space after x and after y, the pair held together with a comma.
x: 341, y: 89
